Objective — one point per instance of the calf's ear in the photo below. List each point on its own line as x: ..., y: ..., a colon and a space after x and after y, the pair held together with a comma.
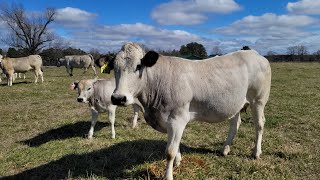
x: 74, y: 85
x: 150, y: 59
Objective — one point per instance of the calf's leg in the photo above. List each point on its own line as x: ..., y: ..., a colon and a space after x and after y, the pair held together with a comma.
x: 94, y: 118
x: 112, y: 113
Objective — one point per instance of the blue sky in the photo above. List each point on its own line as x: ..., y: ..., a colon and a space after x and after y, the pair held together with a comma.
x: 264, y: 25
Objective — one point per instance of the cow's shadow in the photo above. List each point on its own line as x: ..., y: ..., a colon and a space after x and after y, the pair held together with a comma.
x: 114, y: 162
x: 78, y: 129
x: 16, y: 83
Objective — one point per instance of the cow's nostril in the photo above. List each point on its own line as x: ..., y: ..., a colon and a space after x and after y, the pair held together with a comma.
x: 80, y: 99
x: 123, y: 99
x: 118, y: 100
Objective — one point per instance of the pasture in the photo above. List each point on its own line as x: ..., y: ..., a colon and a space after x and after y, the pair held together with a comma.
x: 43, y: 135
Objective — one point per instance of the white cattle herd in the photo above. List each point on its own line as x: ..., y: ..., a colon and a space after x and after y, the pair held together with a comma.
x: 170, y: 91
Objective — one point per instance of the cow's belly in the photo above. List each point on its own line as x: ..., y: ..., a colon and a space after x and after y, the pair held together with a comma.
x: 214, y: 114
x: 22, y: 67
x: 156, y: 119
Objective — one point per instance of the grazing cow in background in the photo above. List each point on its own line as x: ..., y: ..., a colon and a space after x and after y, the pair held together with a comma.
x: 77, y: 61
x: 174, y: 91
x: 97, y: 93
x: 21, y: 65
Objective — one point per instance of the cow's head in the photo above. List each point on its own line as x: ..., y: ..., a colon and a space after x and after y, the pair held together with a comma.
x: 84, y: 88
x: 130, y: 65
x: 105, y: 63
x: 60, y: 62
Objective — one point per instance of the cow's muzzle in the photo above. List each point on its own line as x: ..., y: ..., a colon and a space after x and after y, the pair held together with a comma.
x: 80, y: 99
x: 118, y: 100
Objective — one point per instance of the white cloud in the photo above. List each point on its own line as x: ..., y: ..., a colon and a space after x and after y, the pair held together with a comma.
x: 74, y: 17
x: 118, y: 34
x: 311, y: 7
x: 269, y: 25
x: 191, y: 11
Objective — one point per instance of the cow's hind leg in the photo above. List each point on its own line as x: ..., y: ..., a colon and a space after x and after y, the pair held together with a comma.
x: 94, y: 70
x: 85, y: 70
x: 258, y: 117
x: 234, y: 126
x: 36, y: 75
x: 112, y: 114
x: 41, y: 75
x: 94, y: 118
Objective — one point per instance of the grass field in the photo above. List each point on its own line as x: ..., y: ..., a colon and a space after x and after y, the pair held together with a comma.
x: 43, y: 130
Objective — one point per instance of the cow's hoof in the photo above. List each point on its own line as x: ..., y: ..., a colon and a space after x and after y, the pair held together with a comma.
x: 226, y: 150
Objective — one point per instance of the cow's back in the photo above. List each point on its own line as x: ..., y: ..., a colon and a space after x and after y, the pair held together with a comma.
x: 216, y: 87
x: 79, y: 61
x: 24, y: 64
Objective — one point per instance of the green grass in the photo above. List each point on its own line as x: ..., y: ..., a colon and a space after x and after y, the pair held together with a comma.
x: 43, y: 129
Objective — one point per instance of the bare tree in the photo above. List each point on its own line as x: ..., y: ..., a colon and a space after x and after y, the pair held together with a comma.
x: 292, y: 50
x: 271, y: 53
x: 27, y: 30
x: 59, y: 43
x: 302, y: 50
x: 95, y: 53
x: 216, y: 51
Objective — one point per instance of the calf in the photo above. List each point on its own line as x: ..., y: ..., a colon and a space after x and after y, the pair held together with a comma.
x: 21, y: 65
x: 97, y: 93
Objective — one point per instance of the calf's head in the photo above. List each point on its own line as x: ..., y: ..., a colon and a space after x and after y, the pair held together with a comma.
x: 129, y: 66
x: 84, y: 88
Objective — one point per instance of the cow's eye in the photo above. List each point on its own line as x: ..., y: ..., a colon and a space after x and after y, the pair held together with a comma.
x: 89, y: 88
x: 138, y: 67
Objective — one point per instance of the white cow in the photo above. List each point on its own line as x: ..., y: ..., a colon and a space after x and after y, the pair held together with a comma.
x: 97, y: 93
x: 21, y: 65
x: 77, y: 61
x: 175, y: 91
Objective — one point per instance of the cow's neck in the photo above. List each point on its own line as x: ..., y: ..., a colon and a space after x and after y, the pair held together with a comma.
x: 155, y: 91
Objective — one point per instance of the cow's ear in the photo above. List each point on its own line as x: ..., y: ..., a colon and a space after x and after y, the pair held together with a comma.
x: 150, y: 59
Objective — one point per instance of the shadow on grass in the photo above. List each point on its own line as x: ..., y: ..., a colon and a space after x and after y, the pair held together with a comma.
x: 79, y: 129
x: 16, y: 83
x: 112, y: 162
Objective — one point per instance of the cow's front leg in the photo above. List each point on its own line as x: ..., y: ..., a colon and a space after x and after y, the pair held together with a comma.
x: 175, y: 126
x: 234, y: 126
x: 112, y: 113
x: 9, y: 79
x: 177, y: 159
x: 135, y: 116
x: 94, y: 118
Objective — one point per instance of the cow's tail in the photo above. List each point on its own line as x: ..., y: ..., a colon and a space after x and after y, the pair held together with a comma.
x: 92, y: 60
